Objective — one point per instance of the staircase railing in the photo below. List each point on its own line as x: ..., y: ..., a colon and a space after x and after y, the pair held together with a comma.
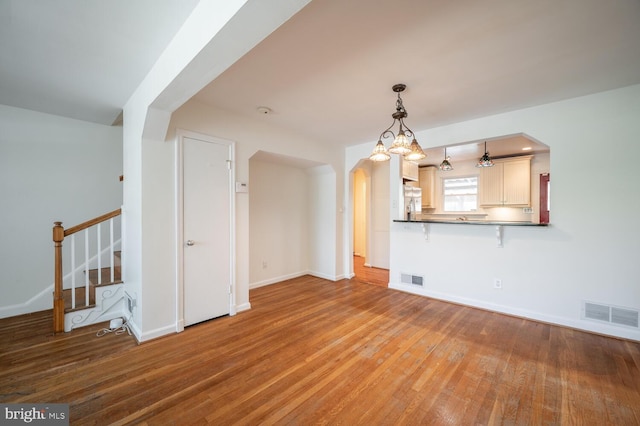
x: 59, y: 234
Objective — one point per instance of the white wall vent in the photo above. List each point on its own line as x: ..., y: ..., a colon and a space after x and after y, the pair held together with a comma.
x: 412, y: 279
x: 596, y: 312
x: 623, y: 316
x: 611, y: 314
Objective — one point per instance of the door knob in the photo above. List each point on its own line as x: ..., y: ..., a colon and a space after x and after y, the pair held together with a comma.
x: 190, y: 243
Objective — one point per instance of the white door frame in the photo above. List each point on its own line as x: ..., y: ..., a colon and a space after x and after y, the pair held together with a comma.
x: 179, y: 203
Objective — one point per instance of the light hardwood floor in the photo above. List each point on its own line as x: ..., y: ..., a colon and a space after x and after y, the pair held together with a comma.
x: 366, y: 274
x: 312, y: 351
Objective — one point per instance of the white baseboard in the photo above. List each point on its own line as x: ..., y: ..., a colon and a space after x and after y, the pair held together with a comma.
x: 154, y: 334
x: 624, y: 333
x: 135, y: 330
x: 40, y: 302
x: 326, y: 276
x: 277, y: 279
x: 299, y: 274
x: 344, y: 277
x: 243, y: 307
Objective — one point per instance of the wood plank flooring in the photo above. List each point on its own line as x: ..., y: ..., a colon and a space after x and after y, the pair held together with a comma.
x: 312, y: 351
x: 366, y: 274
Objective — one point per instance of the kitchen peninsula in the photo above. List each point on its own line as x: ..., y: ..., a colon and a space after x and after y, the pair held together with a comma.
x: 470, y: 222
x: 499, y: 225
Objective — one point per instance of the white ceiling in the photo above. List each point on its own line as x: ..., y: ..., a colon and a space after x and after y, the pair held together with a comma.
x: 82, y: 58
x: 327, y: 73
x: 503, y: 146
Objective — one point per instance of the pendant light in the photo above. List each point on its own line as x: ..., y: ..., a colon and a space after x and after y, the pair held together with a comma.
x: 445, y: 166
x: 379, y: 153
x: 416, y: 153
x: 401, y: 145
x: 485, y: 160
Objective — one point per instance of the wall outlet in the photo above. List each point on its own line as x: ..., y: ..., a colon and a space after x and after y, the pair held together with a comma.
x: 527, y: 210
x: 497, y: 283
x: 264, y: 264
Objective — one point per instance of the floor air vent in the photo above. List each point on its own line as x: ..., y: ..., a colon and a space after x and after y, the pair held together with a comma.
x: 412, y: 279
x: 612, y: 314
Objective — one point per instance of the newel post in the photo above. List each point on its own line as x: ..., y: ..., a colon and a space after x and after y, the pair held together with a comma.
x: 58, y: 299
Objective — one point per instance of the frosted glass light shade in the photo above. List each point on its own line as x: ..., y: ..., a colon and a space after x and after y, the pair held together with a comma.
x: 416, y: 153
x: 379, y: 153
x: 400, y: 144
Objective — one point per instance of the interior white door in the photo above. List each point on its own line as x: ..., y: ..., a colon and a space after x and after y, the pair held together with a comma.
x: 206, y: 230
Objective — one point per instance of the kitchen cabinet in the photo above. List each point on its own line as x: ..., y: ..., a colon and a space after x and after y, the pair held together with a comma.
x: 409, y: 170
x: 507, y: 183
x: 427, y: 180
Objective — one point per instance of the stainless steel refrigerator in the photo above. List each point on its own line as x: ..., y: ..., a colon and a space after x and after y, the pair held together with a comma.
x: 412, y: 201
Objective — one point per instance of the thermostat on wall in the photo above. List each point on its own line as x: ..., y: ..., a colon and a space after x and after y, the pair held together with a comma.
x: 242, y: 187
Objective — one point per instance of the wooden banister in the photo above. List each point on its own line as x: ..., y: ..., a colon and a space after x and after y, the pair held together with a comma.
x: 90, y: 223
x: 58, y: 299
x: 59, y: 233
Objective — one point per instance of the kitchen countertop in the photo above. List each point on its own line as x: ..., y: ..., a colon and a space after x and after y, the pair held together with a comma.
x: 470, y: 222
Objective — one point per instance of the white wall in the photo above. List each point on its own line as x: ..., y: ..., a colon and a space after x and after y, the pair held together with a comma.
x: 360, y: 212
x: 324, y: 218
x: 51, y: 169
x: 590, y: 250
x: 380, y: 222
x: 278, y: 222
x: 250, y: 136
x: 198, y: 53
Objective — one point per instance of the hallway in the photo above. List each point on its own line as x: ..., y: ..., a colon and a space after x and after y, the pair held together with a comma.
x: 365, y: 274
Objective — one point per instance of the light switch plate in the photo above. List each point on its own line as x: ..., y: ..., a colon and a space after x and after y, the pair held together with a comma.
x: 242, y: 187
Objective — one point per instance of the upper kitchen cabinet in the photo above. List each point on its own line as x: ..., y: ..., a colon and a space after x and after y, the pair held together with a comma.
x: 427, y: 182
x: 409, y: 170
x: 507, y: 183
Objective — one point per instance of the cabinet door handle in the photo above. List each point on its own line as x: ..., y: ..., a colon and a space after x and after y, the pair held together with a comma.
x: 190, y: 243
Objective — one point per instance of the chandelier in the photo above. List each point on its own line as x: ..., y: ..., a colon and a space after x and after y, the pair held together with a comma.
x: 401, y: 145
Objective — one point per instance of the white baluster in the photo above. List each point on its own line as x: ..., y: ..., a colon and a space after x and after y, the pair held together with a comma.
x: 111, y: 250
x: 99, y: 242
x: 86, y: 267
x: 73, y: 271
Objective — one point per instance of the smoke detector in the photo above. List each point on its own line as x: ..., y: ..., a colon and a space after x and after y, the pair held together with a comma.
x: 264, y: 110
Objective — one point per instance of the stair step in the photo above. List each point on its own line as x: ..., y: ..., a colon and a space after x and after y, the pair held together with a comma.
x: 93, y: 283
x: 80, y: 298
x: 105, y: 275
x: 79, y: 308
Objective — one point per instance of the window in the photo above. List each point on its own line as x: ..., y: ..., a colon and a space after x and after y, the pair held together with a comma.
x: 460, y: 194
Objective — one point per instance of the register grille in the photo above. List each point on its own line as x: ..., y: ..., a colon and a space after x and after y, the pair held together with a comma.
x: 412, y: 279
x: 612, y: 314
